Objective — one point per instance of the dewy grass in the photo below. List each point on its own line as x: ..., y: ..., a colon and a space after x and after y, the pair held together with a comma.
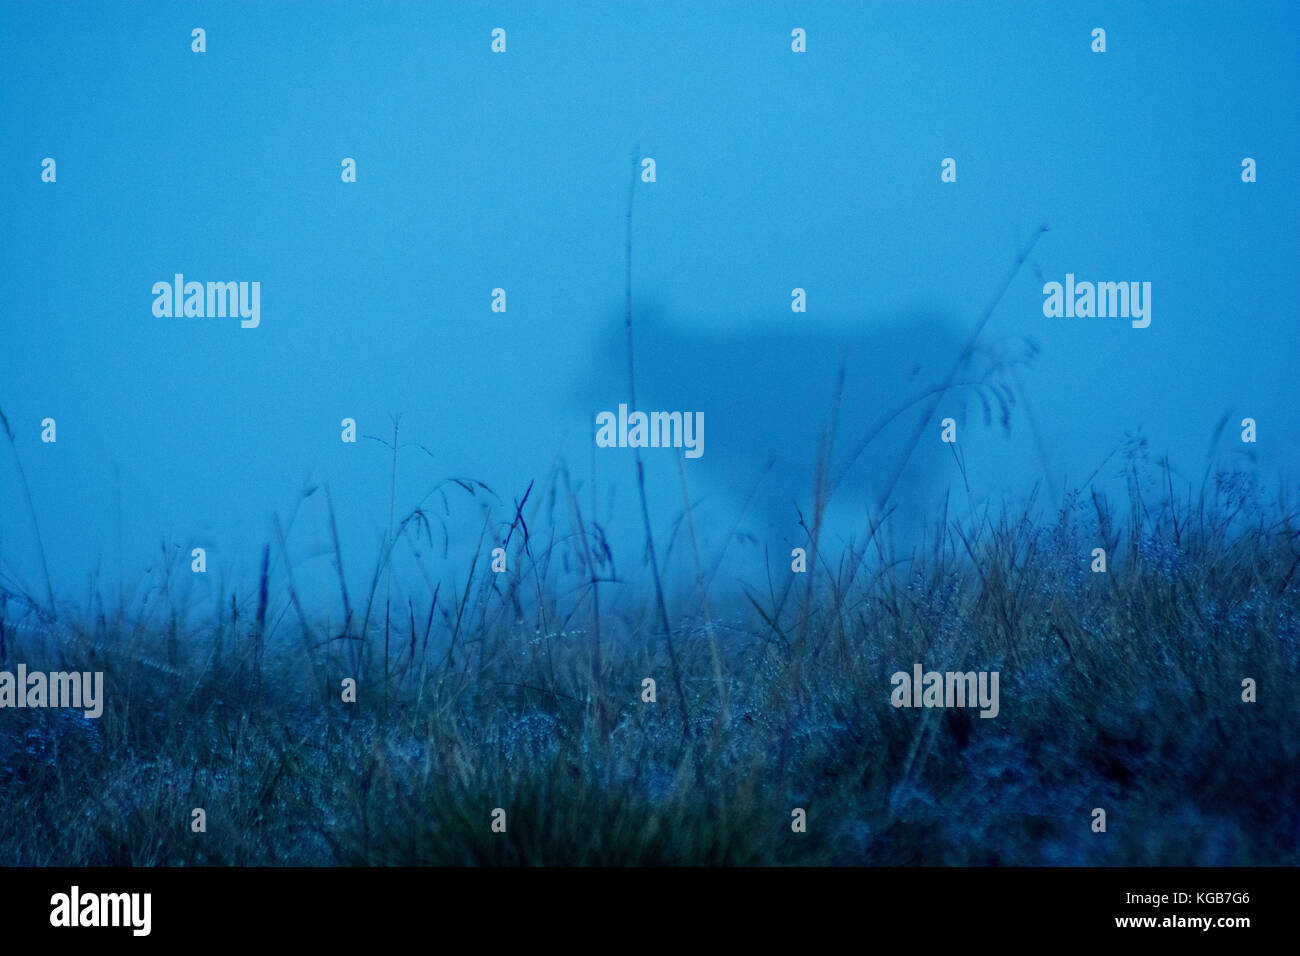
x: 1120, y: 690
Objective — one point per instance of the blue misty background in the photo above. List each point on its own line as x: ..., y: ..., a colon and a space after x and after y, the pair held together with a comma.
x: 475, y: 170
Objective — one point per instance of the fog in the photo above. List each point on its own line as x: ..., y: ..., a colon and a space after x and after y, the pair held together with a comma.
x: 475, y: 171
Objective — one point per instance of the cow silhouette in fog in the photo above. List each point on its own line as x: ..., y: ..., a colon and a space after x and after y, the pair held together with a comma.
x: 769, y: 394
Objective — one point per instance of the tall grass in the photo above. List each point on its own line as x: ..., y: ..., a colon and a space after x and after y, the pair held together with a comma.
x: 1120, y: 690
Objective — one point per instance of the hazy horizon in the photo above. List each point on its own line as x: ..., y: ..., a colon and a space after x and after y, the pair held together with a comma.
x: 775, y: 170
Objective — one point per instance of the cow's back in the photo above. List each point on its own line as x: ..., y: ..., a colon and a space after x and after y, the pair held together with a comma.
x: 768, y: 392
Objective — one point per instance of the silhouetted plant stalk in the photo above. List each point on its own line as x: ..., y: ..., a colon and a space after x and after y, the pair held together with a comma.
x: 31, y: 510
x: 640, y: 470
x: 260, y: 631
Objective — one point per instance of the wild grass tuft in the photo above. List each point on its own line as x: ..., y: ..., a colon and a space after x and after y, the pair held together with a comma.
x: 1119, y: 690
